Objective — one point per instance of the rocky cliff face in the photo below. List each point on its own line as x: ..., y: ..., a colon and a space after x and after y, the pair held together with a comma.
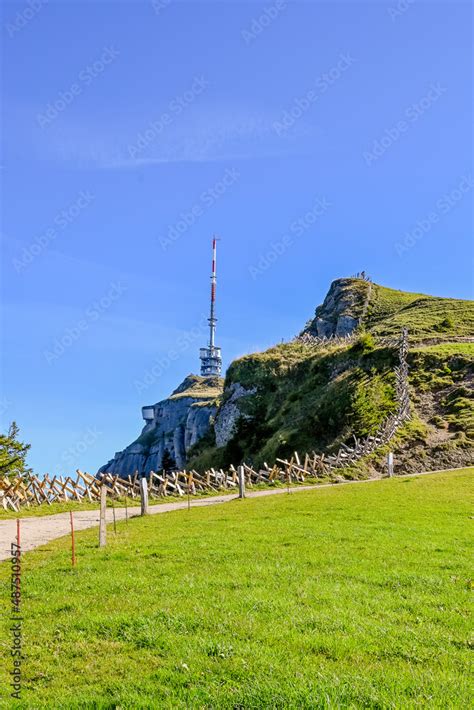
x: 229, y: 413
x: 343, y: 309
x: 175, y: 423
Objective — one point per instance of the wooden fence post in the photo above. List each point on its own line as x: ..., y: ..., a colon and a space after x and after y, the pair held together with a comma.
x: 190, y: 478
x: 241, y: 477
x: 102, y: 522
x: 144, y: 495
x: 390, y: 464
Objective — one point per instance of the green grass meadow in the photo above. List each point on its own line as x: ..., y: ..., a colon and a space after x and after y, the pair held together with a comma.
x: 345, y: 597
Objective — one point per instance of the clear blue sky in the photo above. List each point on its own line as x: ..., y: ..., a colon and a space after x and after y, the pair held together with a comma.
x: 317, y: 139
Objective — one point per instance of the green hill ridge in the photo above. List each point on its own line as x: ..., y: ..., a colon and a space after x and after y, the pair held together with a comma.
x: 316, y: 392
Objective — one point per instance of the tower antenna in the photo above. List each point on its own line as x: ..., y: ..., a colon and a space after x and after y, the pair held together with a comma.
x: 211, y: 360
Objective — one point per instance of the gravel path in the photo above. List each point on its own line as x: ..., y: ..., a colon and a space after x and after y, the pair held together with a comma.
x: 38, y: 531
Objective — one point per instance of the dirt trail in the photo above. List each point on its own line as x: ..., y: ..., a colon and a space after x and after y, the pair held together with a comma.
x: 40, y: 530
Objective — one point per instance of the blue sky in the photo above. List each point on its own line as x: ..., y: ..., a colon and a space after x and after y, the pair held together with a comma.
x: 317, y: 139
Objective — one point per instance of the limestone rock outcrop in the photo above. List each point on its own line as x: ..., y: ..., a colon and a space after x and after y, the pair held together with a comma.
x: 229, y: 413
x: 175, y: 424
x: 343, y: 309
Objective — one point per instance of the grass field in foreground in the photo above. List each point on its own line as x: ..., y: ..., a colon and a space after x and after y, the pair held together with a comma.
x: 352, y: 597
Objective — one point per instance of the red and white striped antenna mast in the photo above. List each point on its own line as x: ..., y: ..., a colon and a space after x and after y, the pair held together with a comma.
x: 213, y: 319
x: 211, y: 360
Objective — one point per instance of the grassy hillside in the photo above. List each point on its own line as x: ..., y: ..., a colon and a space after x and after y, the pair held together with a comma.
x: 389, y: 311
x: 352, y: 596
x: 314, y: 398
x: 317, y: 398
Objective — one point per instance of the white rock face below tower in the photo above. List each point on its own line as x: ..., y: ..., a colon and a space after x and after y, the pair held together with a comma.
x: 175, y: 424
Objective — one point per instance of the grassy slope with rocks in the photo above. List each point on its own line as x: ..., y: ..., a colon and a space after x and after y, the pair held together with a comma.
x: 315, y: 398
x: 344, y: 597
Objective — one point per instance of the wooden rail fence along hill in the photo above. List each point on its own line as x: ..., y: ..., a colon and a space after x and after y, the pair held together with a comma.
x: 25, y: 491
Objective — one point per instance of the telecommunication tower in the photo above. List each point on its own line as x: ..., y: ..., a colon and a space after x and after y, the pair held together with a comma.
x: 211, y: 360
